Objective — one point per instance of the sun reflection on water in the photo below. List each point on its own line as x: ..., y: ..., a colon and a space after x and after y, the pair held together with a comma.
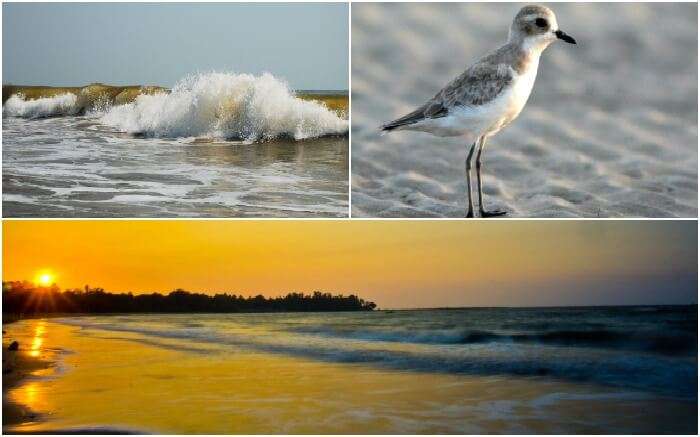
x: 29, y: 393
x: 37, y: 340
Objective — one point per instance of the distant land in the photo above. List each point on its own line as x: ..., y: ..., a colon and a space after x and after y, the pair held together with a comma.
x: 23, y: 298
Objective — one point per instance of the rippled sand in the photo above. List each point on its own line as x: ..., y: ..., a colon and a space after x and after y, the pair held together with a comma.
x: 610, y: 129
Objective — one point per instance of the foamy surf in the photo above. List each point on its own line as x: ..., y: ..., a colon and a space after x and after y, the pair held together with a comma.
x: 62, y: 104
x: 229, y: 106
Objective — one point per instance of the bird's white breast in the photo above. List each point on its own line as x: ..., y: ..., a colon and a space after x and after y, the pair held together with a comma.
x: 512, y: 100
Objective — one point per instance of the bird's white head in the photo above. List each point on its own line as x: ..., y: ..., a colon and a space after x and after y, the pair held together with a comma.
x: 535, y: 27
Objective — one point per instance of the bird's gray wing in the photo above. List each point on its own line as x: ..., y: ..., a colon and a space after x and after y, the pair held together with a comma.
x: 479, y: 84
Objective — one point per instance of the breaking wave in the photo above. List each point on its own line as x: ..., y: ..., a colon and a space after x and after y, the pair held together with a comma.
x: 62, y: 104
x: 225, y: 105
x: 216, y: 105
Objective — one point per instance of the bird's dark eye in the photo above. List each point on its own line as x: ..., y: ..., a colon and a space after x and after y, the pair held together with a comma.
x: 541, y: 22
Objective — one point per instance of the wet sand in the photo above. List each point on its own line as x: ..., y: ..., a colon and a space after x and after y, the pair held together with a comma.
x: 17, y: 366
x: 610, y: 129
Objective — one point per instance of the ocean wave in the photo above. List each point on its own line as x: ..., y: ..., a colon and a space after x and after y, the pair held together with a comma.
x: 43, y: 102
x: 675, y: 343
x: 60, y: 105
x: 225, y: 105
x: 423, y: 336
x: 646, y: 372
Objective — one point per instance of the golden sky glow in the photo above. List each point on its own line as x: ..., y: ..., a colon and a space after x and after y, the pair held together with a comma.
x: 394, y: 263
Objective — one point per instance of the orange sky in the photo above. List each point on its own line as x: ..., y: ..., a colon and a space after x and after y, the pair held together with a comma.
x: 394, y: 263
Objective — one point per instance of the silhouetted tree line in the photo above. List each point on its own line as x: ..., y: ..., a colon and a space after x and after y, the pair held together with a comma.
x: 25, y: 298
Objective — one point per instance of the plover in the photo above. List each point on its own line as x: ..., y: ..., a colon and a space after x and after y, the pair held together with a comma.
x: 490, y: 93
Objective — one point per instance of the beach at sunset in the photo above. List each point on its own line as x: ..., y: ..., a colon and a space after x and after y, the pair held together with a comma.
x: 269, y: 331
x: 402, y: 373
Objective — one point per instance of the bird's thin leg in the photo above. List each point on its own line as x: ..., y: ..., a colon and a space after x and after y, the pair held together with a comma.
x: 468, y: 169
x: 484, y: 213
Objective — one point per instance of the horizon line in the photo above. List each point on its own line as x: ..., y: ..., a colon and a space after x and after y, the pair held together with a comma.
x: 357, y: 294
x: 486, y: 307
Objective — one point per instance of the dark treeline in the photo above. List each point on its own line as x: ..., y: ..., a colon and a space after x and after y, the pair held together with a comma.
x: 25, y: 298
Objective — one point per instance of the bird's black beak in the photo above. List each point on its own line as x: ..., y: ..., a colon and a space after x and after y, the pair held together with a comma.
x: 564, y: 37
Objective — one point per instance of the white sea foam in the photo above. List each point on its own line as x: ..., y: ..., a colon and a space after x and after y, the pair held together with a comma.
x: 226, y: 105
x: 62, y: 104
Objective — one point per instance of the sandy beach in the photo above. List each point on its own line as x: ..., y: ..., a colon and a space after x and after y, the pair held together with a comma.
x: 610, y: 129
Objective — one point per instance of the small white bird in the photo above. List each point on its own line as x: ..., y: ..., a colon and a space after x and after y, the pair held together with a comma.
x: 490, y: 93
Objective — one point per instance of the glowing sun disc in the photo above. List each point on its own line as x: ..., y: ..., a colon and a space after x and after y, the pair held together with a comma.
x: 45, y: 279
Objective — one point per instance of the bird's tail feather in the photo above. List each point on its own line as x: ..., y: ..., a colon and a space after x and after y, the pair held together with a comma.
x: 411, y: 118
x: 388, y: 127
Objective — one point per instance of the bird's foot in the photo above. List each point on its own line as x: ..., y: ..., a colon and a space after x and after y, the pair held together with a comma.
x: 487, y: 214
x: 470, y: 214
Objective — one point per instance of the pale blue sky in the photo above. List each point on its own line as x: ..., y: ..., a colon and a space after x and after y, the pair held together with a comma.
x: 146, y: 43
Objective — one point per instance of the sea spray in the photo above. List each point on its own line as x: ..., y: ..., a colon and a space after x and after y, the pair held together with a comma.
x: 226, y: 105
x: 62, y: 104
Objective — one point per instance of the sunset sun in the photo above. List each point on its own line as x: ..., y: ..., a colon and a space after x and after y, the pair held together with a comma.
x: 45, y: 279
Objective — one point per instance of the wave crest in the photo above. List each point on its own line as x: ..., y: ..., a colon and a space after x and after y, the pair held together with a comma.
x: 62, y: 104
x: 226, y: 105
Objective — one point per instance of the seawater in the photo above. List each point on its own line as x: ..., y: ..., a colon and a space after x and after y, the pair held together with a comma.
x: 555, y: 370
x: 216, y: 145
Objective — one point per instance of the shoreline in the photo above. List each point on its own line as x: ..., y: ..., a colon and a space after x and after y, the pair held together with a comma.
x: 16, y: 367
